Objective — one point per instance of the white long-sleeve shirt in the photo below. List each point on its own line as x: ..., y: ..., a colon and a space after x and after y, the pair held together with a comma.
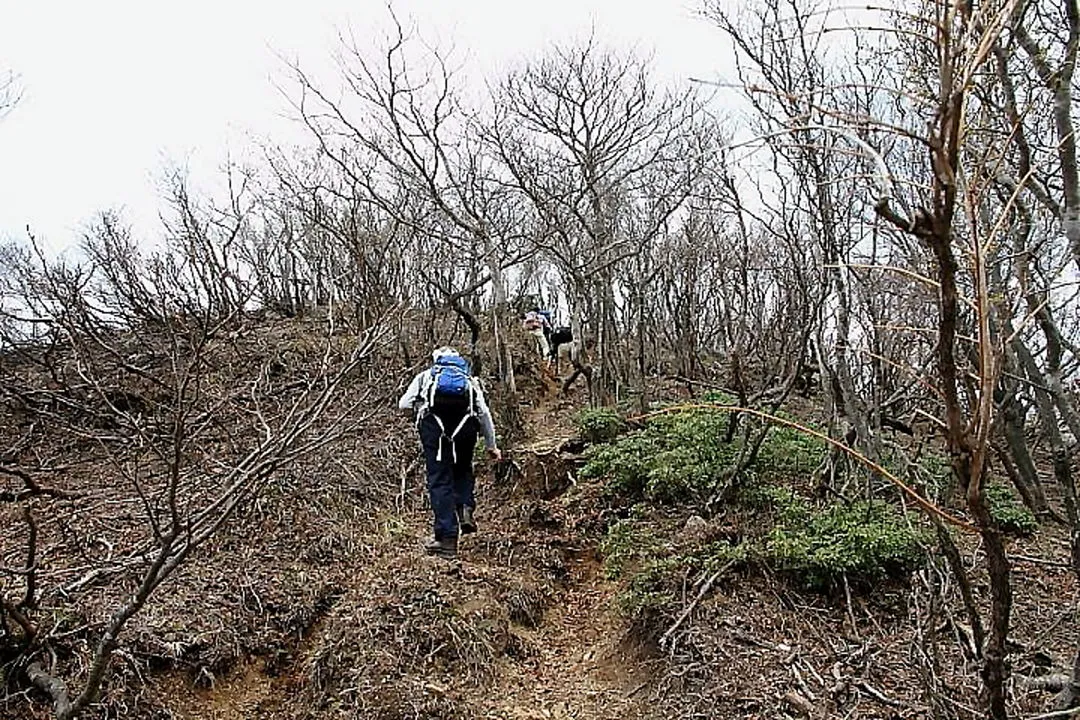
x: 416, y: 399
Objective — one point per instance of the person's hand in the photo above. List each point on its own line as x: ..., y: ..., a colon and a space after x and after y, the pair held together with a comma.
x: 495, y: 453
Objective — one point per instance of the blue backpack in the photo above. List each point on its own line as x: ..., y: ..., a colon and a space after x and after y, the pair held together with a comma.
x: 450, y: 396
x: 451, y: 385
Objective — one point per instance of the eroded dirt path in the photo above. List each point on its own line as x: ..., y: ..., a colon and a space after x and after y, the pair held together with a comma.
x: 577, y: 666
x: 578, y: 662
x: 572, y: 660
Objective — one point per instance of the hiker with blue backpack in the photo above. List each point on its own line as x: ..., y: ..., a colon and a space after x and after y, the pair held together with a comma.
x: 450, y: 413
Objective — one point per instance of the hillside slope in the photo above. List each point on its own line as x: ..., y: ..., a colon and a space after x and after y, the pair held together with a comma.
x: 317, y: 602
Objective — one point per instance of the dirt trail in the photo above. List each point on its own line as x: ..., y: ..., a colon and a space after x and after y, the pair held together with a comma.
x: 574, y: 663
x: 578, y: 664
x: 576, y: 668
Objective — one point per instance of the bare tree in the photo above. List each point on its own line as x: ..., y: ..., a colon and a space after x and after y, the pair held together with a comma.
x: 131, y: 344
x: 605, y: 160
x: 320, y: 239
x: 404, y: 137
x: 796, y: 94
x: 935, y: 187
x: 1028, y: 105
x: 10, y: 92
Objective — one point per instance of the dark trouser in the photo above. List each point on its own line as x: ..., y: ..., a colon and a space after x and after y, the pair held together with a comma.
x: 450, y: 483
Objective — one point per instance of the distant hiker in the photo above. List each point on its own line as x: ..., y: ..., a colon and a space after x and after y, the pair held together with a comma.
x: 545, y: 315
x: 538, y: 325
x: 450, y: 410
x: 563, y: 337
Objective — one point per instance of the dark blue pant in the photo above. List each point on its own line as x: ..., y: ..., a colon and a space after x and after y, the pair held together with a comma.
x: 450, y: 484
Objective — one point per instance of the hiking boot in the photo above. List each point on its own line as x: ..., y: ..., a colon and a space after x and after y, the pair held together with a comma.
x: 466, y: 523
x: 446, y: 549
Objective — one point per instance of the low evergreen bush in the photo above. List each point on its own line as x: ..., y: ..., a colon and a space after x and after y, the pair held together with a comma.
x: 863, y: 541
x: 1010, y: 515
x: 598, y: 425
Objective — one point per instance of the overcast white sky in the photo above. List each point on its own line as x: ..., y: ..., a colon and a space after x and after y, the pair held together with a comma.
x: 115, y: 91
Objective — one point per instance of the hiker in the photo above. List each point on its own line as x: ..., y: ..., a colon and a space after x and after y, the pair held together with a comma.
x: 561, y: 336
x: 545, y: 315
x: 537, y: 324
x: 450, y: 410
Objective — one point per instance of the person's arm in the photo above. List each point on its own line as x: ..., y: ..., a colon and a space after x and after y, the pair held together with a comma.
x: 487, y: 425
x: 412, y: 396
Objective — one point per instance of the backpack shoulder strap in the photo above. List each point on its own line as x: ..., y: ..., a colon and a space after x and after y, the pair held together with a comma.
x: 432, y: 384
x: 474, y: 384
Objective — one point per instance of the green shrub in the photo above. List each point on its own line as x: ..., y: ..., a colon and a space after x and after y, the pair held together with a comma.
x: 674, y: 459
x: 719, y: 397
x: 717, y: 554
x: 863, y: 541
x: 935, y: 466
x: 677, y: 474
x: 658, y: 582
x: 649, y: 590
x: 624, y: 463
x: 1010, y: 515
x: 788, y: 452
x: 693, y: 426
x: 680, y: 456
x: 628, y: 544
x: 600, y: 424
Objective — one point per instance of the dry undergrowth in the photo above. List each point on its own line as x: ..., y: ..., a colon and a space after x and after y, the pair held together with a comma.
x: 317, y: 603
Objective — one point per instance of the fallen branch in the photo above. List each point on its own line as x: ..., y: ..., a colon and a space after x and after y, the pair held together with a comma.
x: 877, y: 694
x: 31, y: 488
x: 801, y: 704
x: 30, y: 596
x: 690, y: 608
x: 1071, y: 712
x: 403, y: 478
x: 98, y: 573
x: 1055, y: 682
x: 1040, y: 561
x: 28, y: 627
x: 561, y: 445
x: 53, y: 687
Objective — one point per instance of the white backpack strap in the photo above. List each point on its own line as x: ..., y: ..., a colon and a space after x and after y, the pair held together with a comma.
x: 468, y: 416
x: 453, y: 445
x: 433, y: 382
x: 442, y: 434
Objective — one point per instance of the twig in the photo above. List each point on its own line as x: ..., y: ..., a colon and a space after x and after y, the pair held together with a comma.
x: 29, y: 597
x: 1053, y: 625
x: 810, y: 694
x: 1056, y: 714
x: 404, y: 481
x: 1040, y: 561
x: 96, y: 573
x: 31, y: 487
x: 690, y: 608
x: 877, y: 694
x: 850, y: 613
x: 29, y: 630
x: 797, y: 701
x: 545, y: 451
